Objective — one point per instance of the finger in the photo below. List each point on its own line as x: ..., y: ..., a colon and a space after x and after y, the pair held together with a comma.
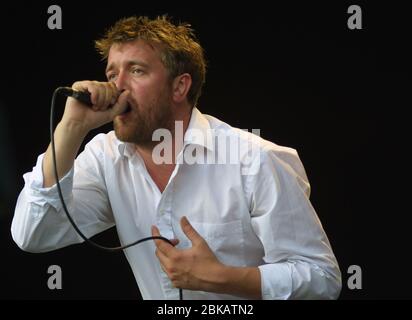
x: 86, y: 86
x: 107, y: 97
x: 115, y: 93
x: 189, y: 231
x: 100, y: 96
x: 167, y: 266
x: 162, y: 245
x: 163, y: 259
x: 121, y: 104
x: 156, y: 233
x: 111, y: 95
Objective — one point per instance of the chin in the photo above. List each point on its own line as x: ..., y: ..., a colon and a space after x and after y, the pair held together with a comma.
x: 131, y: 136
x: 123, y: 134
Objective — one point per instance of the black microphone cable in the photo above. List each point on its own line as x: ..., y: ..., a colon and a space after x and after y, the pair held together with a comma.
x: 85, y: 98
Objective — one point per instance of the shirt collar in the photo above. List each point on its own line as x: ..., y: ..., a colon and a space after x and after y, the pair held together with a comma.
x: 125, y: 149
x: 198, y: 132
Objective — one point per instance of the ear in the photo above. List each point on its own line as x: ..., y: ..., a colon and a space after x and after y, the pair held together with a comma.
x: 181, y: 86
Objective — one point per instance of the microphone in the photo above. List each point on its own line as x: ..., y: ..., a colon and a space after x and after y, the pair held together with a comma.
x: 82, y: 96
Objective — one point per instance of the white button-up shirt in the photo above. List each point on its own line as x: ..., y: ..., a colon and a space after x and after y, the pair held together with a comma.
x: 252, y: 212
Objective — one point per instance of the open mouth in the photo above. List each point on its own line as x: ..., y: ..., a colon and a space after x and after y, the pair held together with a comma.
x: 128, y: 109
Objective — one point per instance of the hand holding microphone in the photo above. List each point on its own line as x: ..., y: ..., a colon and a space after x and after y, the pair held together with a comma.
x: 92, y: 104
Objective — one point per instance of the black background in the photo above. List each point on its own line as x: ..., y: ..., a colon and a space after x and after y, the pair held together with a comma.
x: 296, y: 72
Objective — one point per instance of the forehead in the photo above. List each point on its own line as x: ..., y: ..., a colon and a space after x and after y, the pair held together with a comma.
x: 136, y: 49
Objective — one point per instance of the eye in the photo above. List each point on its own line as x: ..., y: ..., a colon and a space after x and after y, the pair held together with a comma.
x: 137, y: 71
x: 111, y: 76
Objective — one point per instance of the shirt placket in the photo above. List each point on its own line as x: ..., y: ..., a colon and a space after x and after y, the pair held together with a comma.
x: 164, y: 220
x: 164, y: 223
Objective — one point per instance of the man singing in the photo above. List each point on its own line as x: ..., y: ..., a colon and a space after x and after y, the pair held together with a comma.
x: 238, y: 229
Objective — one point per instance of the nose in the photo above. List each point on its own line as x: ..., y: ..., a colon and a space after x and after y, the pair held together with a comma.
x: 122, y: 81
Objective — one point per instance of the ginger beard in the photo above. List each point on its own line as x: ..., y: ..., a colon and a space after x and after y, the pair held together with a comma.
x: 142, y: 120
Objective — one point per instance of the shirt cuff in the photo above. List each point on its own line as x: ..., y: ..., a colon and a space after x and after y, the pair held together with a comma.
x: 46, y: 196
x: 276, y: 281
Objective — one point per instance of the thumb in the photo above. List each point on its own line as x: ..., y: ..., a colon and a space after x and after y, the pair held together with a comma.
x: 121, y: 104
x: 189, y: 231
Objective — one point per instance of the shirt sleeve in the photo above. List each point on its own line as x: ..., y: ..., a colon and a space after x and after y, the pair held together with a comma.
x: 40, y: 224
x: 299, y: 261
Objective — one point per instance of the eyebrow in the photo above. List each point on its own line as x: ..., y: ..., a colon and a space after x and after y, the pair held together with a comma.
x: 129, y: 64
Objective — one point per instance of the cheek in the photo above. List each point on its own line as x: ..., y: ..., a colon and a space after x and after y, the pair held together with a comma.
x: 143, y: 92
x: 149, y: 92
